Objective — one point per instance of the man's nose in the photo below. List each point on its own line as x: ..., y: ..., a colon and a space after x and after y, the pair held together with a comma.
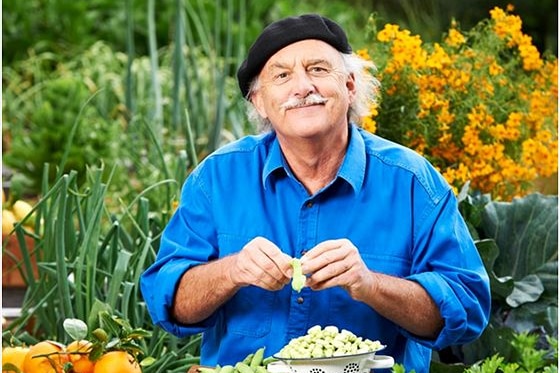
x: 303, y: 84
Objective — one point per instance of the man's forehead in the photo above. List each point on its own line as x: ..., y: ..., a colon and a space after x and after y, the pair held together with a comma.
x: 305, y: 51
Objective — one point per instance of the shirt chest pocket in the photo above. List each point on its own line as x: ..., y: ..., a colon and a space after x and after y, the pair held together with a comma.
x: 250, y: 312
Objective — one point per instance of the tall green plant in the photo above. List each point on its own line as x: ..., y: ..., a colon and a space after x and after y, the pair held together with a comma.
x: 214, y: 47
x: 88, y: 255
x: 91, y: 250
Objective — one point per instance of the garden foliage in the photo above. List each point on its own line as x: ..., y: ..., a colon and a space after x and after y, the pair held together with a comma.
x: 518, y: 242
x: 119, y: 133
x: 42, y: 106
x: 90, y: 256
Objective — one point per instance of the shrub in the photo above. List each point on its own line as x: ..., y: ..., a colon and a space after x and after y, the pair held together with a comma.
x: 481, y: 105
x: 67, y: 117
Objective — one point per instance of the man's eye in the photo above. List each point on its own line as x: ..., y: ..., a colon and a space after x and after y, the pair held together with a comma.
x: 281, y: 76
x: 318, y: 70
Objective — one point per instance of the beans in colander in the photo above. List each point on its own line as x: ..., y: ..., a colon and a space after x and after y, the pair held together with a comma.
x: 327, y: 342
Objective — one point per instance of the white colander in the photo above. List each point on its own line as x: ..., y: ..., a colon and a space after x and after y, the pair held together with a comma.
x: 358, y: 363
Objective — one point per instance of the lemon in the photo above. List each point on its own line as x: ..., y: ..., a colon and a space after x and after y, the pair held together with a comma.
x: 8, y: 221
x: 21, y: 209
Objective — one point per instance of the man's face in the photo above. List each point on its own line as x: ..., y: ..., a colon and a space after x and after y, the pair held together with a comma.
x: 304, y: 90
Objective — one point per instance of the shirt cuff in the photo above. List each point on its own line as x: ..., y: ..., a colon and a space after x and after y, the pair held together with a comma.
x: 452, y: 310
x: 158, y: 287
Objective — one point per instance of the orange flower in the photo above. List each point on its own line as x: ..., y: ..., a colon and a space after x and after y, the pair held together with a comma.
x: 482, y: 105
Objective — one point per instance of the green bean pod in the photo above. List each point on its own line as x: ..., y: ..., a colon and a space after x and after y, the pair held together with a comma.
x: 243, y: 368
x: 257, y: 358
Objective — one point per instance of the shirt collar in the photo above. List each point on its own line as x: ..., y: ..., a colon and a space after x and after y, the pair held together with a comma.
x: 352, y: 169
x: 274, y: 160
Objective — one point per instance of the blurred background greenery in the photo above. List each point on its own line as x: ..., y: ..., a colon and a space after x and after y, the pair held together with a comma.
x: 145, y: 89
x: 66, y: 26
x: 150, y: 69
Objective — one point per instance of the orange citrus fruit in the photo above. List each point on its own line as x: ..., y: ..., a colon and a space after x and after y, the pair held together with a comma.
x: 44, y: 357
x: 78, y: 355
x: 116, y: 362
x: 15, y: 356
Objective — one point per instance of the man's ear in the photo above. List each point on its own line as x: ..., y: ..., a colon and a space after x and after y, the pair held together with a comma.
x: 351, y: 86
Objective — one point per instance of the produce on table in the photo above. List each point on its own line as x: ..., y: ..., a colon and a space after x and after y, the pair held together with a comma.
x: 253, y: 363
x: 52, y: 357
x: 327, y: 342
x: 15, y: 356
x: 45, y: 357
x: 117, y: 362
x: 78, y: 354
x: 8, y: 221
x: 111, y: 350
x: 13, y: 214
x: 21, y: 209
x: 298, y: 278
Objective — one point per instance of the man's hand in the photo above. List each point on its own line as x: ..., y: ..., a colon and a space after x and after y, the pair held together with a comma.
x: 204, y: 288
x: 338, y: 263
x: 261, y: 263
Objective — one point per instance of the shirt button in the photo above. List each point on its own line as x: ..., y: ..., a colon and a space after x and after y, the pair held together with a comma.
x: 309, y: 204
x: 300, y: 300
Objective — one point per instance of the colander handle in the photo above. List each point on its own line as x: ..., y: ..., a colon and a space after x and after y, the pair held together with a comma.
x: 378, y: 362
x: 279, y: 367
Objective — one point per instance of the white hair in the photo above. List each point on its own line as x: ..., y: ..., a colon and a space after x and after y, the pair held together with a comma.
x: 366, y: 84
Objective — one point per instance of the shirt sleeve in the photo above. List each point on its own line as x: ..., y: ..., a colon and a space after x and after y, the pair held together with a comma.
x: 449, y: 267
x: 186, y: 242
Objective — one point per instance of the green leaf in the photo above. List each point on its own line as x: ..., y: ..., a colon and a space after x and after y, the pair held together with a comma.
x: 147, y: 361
x: 464, y: 192
x: 76, y: 328
x: 552, y: 317
x: 531, y: 316
x: 94, y: 315
x: 494, y: 340
x: 527, y: 290
x: 112, y: 343
x: 96, y: 352
x: 139, y: 333
x: 489, y: 251
x: 526, y: 231
x: 439, y: 367
x: 109, y: 324
x: 548, y: 274
x: 10, y: 368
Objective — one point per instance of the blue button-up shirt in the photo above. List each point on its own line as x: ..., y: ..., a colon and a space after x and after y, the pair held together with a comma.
x: 390, y: 202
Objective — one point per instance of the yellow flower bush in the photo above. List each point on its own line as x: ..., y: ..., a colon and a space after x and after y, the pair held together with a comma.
x: 482, y: 105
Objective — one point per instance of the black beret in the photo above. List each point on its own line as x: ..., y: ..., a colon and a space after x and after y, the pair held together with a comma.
x: 284, y: 32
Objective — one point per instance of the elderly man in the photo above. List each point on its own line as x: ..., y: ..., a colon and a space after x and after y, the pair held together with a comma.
x: 385, y: 250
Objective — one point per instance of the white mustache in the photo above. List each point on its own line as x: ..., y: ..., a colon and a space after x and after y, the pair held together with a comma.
x: 312, y: 99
